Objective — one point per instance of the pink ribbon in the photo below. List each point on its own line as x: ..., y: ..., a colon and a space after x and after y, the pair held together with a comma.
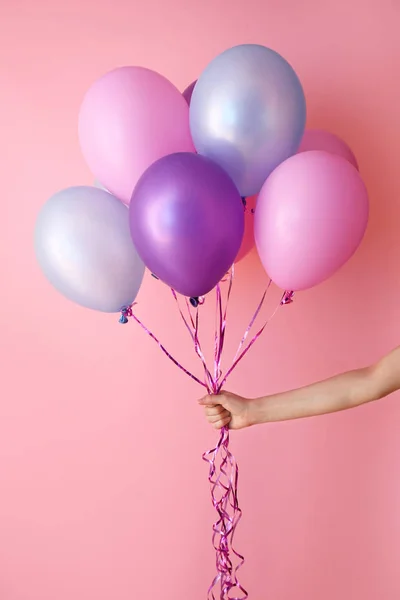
x: 223, y: 469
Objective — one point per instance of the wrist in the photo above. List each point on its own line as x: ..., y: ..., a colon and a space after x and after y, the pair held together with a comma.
x: 257, y: 411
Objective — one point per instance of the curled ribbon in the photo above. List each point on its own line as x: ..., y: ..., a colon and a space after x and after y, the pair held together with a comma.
x: 223, y: 469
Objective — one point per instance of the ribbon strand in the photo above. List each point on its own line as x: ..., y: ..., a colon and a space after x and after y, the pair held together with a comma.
x: 127, y: 312
x: 223, y: 479
x: 223, y: 469
x: 251, y: 343
x: 193, y: 331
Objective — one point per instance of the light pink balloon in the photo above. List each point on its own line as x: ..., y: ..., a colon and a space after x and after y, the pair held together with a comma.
x: 130, y: 118
x: 311, y: 216
x: 317, y: 139
x: 248, y: 238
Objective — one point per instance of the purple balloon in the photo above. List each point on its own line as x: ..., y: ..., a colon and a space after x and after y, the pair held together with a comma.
x: 187, y: 222
x: 187, y: 94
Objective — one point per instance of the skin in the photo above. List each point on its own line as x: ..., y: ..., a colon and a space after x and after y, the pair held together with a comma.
x: 342, y: 392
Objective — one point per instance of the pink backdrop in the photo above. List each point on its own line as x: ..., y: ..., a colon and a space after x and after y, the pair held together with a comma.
x: 102, y: 491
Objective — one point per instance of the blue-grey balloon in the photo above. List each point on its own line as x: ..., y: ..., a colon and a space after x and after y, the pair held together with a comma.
x: 248, y: 114
x: 84, y: 247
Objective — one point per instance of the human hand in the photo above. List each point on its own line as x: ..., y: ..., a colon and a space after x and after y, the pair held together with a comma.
x: 227, y: 409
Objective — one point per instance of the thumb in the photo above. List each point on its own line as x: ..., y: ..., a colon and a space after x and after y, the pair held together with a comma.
x: 209, y: 401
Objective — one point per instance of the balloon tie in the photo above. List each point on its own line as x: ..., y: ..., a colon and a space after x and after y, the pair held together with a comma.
x: 126, y: 312
x: 196, y: 301
x: 287, y: 298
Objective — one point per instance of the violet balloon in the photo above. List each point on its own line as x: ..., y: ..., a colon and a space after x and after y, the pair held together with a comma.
x: 84, y: 248
x: 248, y: 114
x: 311, y: 216
x: 318, y: 139
x: 187, y: 222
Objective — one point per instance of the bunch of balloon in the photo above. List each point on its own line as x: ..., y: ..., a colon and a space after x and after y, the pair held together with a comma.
x: 189, y: 182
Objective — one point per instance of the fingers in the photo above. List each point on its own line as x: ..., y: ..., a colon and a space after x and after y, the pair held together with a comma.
x: 218, y: 417
x: 208, y: 401
x: 215, y: 413
x: 221, y: 421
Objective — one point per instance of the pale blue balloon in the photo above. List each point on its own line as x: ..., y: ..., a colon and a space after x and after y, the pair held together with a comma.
x: 248, y: 114
x: 84, y: 248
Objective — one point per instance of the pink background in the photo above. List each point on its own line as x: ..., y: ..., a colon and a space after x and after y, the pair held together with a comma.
x: 102, y: 490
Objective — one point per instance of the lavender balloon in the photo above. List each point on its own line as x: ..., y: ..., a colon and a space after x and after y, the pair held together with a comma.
x: 248, y: 114
x: 187, y: 222
x: 84, y: 248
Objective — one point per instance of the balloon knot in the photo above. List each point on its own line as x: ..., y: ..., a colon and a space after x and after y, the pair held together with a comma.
x: 287, y: 298
x: 126, y: 312
x: 196, y: 301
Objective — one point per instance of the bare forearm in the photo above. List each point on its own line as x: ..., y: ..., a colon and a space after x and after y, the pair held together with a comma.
x: 320, y: 398
x: 344, y: 391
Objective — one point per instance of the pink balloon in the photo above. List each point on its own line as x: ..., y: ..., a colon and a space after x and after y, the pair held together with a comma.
x: 311, y: 216
x: 317, y: 139
x: 130, y: 118
x: 248, y: 238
